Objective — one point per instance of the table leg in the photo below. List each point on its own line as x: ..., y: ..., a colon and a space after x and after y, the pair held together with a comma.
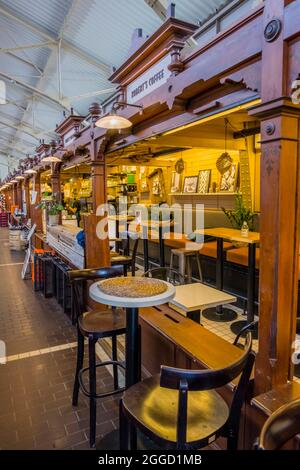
x: 219, y: 314
x: 237, y: 326
x: 146, y: 255
x: 132, y: 347
x: 117, y: 235
x: 161, y: 247
x: 111, y: 441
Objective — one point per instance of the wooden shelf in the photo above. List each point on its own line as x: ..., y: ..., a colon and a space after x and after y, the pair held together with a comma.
x: 223, y: 193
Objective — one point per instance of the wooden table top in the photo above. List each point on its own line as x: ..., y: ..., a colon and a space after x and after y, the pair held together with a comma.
x: 230, y: 234
x: 197, y: 296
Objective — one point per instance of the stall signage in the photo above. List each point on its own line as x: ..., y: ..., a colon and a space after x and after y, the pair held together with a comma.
x: 155, y: 76
x: 69, y: 137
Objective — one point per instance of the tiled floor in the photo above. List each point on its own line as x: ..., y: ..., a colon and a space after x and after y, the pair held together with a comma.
x: 36, y: 382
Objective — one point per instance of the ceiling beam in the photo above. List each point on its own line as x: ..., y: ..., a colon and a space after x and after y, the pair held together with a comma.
x: 25, y: 61
x: 88, y: 58
x: 4, y: 50
x: 34, y: 90
x: 22, y: 124
x: 18, y: 128
x: 158, y: 8
x: 5, y: 135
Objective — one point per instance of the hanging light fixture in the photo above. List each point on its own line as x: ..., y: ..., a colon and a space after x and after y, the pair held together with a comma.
x: 113, y: 120
x: 14, y: 181
x: 30, y: 171
x: 20, y: 177
x: 51, y: 159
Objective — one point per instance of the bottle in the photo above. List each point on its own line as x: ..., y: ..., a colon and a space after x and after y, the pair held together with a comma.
x: 244, y: 229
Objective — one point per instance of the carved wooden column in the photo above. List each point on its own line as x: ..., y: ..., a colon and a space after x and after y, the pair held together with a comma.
x: 97, y: 250
x: 15, y: 194
x: 19, y: 195
x: 37, y: 213
x: 27, y: 197
x: 279, y: 224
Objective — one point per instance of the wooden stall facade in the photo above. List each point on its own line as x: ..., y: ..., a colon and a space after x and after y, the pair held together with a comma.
x: 257, y: 72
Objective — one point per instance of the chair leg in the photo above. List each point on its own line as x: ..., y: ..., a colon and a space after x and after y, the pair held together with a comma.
x: 80, y: 356
x: 188, y: 270
x: 171, y: 259
x: 115, y: 358
x: 93, y: 402
x: 123, y: 428
x: 199, y: 267
x: 133, y: 437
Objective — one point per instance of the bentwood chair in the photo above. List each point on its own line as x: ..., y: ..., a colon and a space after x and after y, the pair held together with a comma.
x: 123, y: 258
x: 94, y: 325
x: 166, y: 274
x: 179, y: 409
x: 280, y: 427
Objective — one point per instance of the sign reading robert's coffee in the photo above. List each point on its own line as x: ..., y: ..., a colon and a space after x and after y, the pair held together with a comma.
x: 155, y: 76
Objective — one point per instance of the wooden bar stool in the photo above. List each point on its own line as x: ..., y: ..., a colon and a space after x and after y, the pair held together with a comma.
x: 165, y: 411
x: 94, y: 325
x: 185, y: 257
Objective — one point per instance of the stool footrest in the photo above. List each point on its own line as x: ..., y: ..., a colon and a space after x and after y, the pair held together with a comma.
x: 99, y: 395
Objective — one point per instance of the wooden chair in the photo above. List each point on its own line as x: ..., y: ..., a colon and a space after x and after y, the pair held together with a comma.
x: 180, y: 408
x: 123, y: 258
x: 280, y: 427
x: 94, y: 325
x: 166, y: 274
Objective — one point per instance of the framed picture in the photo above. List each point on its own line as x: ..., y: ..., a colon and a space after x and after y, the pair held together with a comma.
x: 190, y: 184
x: 229, y: 179
x: 156, y: 186
x: 203, y: 181
x: 175, y: 182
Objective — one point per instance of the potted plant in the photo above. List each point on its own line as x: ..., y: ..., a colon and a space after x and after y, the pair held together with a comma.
x: 240, y: 214
x: 53, y: 208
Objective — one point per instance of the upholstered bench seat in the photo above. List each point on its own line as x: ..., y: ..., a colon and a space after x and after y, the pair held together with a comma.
x: 240, y: 256
x: 210, y: 248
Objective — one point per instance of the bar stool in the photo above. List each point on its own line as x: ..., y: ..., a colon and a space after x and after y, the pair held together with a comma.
x: 95, y: 325
x: 162, y: 408
x: 280, y: 427
x: 123, y: 258
x: 185, y: 256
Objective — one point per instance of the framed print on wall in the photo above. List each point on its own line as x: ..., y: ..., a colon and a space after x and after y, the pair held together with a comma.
x: 190, y: 184
x: 229, y: 179
x: 203, y: 181
x: 175, y: 182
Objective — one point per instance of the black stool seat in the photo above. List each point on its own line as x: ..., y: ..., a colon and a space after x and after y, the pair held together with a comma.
x: 156, y: 409
x: 102, y: 323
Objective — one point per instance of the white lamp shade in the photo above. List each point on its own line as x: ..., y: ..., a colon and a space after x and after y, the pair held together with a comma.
x: 20, y: 177
x: 30, y: 172
x: 14, y: 181
x: 113, y: 122
x: 51, y: 159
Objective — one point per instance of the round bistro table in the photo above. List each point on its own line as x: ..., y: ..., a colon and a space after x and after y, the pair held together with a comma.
x: 132, y: 305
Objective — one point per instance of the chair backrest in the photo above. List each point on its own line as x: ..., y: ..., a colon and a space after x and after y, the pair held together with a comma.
x: 78, y: 279
x: 248, y: 327
x: 166, y: 274
x: 197, y: 380
x: 280, y: 427
x: 206, y: 379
